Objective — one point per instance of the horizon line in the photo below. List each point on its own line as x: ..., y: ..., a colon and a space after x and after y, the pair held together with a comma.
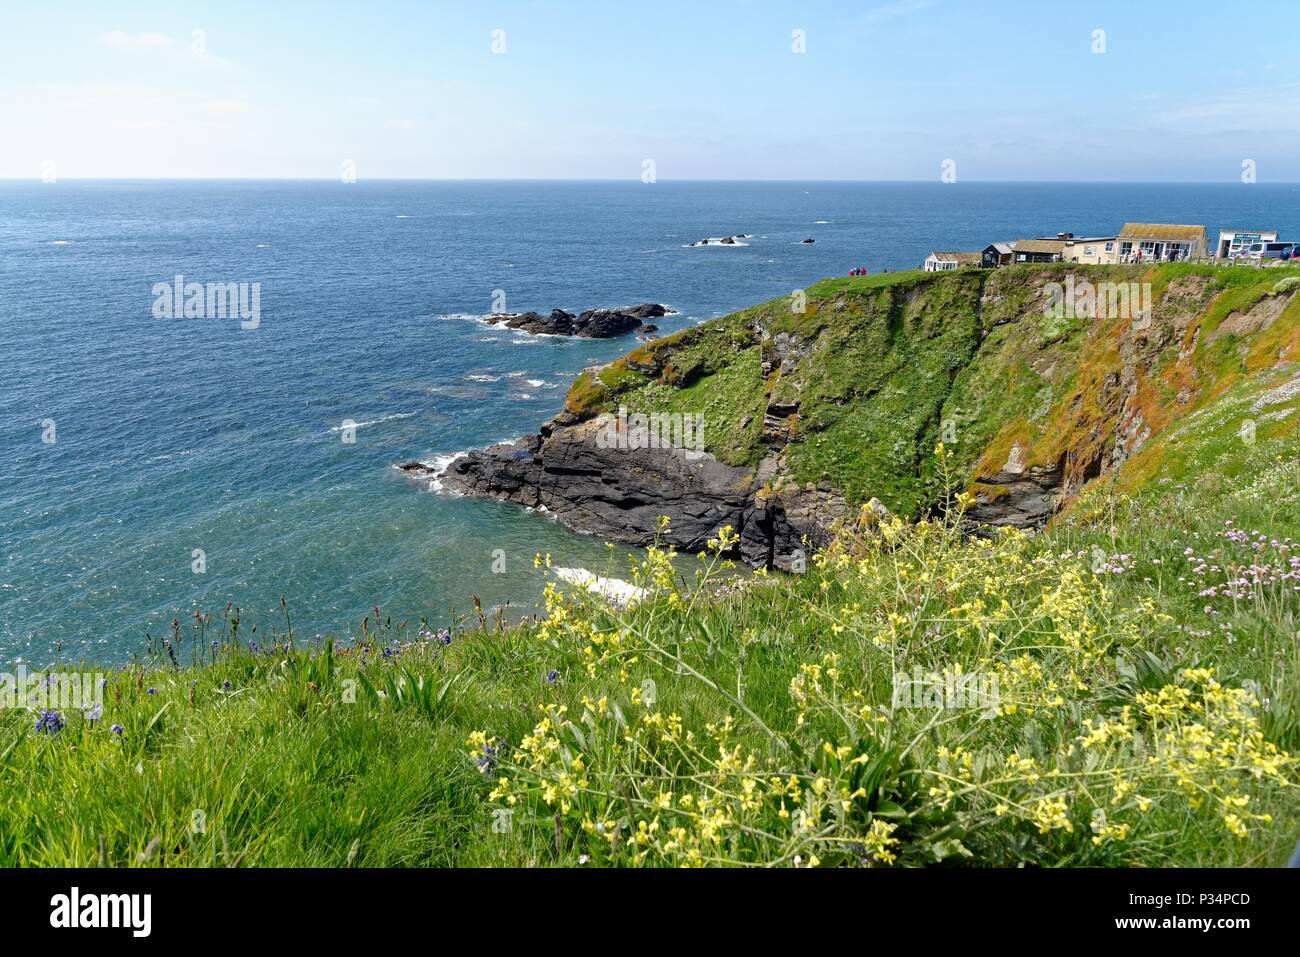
x: 620, y: 179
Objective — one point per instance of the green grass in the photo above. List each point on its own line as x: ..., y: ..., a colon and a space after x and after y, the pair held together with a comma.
x: 311, y: 758
x: 681, y: 730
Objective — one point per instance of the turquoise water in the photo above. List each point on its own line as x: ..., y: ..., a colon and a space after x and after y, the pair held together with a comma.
x: 176, y: 435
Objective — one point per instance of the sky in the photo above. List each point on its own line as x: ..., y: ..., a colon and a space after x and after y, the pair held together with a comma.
x: 1109, y: 90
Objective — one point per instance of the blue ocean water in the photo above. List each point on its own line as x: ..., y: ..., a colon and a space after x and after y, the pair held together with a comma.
x: 181, y: 434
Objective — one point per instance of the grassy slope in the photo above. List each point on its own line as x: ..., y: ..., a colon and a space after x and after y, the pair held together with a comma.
x: 287, y: 773
x: 894, y: 361
x: 294, y: 765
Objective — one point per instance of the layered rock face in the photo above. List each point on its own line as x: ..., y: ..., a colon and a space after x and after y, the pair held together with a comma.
x: 593, y: 483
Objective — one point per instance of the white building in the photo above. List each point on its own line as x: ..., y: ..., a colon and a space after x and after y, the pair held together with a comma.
x: 943, y: 261
x: 1237, y: 242
x: 1161, y: 242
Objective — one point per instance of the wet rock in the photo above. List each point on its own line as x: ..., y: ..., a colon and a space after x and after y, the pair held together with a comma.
x: 591, y: 324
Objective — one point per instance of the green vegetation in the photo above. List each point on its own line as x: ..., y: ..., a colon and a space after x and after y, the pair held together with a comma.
x: 1131, y: 694
x: 1136, y: 721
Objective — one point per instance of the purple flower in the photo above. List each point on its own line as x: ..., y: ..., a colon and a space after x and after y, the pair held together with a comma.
x: 49, y: 722
x: 117, y: 729
x: 553, y: 677
x: 153, y: 690
x: 226, y: 685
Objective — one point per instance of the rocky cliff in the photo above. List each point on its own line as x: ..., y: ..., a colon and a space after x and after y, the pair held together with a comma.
x: 1039, y: 380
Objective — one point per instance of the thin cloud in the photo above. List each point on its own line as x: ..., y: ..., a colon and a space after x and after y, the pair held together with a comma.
x: 892, y: 11
x: 121, y: 40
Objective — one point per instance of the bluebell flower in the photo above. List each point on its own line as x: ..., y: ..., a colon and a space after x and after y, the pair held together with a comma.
x: 49, y: 722
x: 445, y: 636
x: 226, y: 685
x: 94, y: 713
x: 553, y: 677
x: 153, y: 690
x: 491, y: 754
x: 117, y: 729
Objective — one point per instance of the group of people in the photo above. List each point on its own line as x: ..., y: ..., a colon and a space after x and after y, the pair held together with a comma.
x: 860, y: 271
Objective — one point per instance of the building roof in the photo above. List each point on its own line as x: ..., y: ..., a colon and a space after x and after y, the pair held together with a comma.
x: 1233, y: 232
x: 1161, y: 231
x: 1003, y: 248
x: 959, y: 257
x: 1090, y: 239
x: 1039, y: 245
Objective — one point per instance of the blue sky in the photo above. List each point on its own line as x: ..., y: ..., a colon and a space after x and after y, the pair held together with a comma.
x: 706, y: 89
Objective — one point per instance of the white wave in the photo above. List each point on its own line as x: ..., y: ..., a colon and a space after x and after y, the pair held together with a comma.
x: 718, y: 241
x: 60, y: 242
x: 403, y: 216
x: 482, y: 378
x: 616, y: 591
x: 170, y: 455
x: 467, y: 317
x: 536, y: 383
x: 438, y: 464
x: 386, y: 418
x: 263, y: 245
x: 821, y: 222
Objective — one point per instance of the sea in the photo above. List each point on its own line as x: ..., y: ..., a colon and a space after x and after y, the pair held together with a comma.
x: 154, y: 466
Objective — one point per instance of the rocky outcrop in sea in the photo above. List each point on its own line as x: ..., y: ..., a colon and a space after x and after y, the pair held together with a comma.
x: 608, y: 489
x: 591, y: 324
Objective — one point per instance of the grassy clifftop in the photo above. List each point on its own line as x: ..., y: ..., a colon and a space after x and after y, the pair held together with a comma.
x: 858, y: 384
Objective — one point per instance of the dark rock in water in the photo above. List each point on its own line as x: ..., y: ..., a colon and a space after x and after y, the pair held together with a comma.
x: 647, y: 310
x: 603, y: 323
x: 592, y: 324
x: 649, y: 328
x: 809, y: 242
x: 728, y: 240
x: 414, y: 466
